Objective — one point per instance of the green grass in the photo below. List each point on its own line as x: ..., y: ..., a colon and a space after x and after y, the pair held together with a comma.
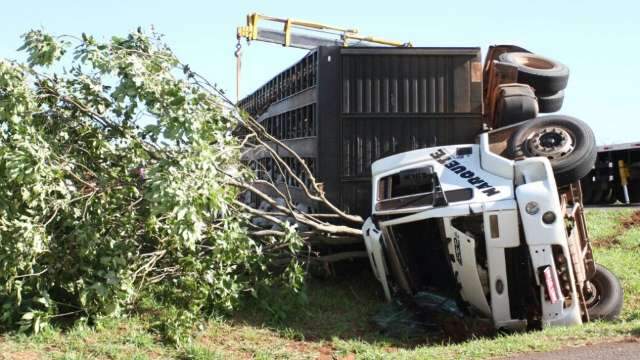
x: 617, y: 247
x: 335, y: 321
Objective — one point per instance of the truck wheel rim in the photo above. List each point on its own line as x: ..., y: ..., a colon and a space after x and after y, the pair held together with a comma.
x: 591, y: 298
x: 552, y: 142
x: 532, y: 61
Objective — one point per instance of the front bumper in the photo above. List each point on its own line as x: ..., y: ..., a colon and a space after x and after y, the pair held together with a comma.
x: 547, y: 242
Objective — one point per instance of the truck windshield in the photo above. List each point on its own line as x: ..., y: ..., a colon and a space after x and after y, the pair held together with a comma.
x: 417, y: 187
x: 421, y: 200
x: 407, y: 182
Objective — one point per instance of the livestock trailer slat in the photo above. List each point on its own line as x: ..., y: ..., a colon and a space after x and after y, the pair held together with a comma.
x: 423, y: 86
x: 358, y: 104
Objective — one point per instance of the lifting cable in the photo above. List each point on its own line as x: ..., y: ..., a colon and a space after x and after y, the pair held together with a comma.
x: 238, y: 54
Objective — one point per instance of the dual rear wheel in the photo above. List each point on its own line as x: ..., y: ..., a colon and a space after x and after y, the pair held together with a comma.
x: 547, y: 78
x: 567, y: 142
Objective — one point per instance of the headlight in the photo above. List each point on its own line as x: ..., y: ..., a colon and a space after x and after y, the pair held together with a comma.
x: 532, y: 208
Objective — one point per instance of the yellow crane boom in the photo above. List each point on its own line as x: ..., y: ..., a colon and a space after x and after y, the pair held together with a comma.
x: 287, y: 37
x: 309, y: 36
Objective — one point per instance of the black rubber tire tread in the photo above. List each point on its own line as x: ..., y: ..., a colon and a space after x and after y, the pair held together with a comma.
x: 571, y: 168
x: 611, y: 295
x: 550, y: 104
x: 515, y: 104
x: 544, y: 81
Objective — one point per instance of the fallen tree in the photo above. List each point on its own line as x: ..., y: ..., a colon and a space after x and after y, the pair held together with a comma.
x: 123, y: 183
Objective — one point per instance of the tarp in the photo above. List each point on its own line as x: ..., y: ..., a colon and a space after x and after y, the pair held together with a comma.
x: 423, y: 315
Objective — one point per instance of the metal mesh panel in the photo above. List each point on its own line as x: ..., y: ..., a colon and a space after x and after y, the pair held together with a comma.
x: 302, y: 75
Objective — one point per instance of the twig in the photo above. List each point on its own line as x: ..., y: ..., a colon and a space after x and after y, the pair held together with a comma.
x: 32, y: 274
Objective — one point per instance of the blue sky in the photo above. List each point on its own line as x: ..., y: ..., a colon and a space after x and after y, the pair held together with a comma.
x: 598, y: 40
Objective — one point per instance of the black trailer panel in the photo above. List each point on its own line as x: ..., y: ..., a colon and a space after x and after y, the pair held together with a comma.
x: 617, y: 166
x: 409, y: 80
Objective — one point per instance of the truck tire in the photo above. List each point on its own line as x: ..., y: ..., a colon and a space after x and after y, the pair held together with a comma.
x: 516, y: 103
x: 553, y: 103
x: 546, y: 76
x: 567, y: 142
x: 605, y: 301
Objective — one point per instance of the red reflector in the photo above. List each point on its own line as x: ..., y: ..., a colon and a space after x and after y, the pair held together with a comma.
x: 550, y: 285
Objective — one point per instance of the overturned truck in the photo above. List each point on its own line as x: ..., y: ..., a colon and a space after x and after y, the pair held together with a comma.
x: 498, y: 233
x: 468, y: 192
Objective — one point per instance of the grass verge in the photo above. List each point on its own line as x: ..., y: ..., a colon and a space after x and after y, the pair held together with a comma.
x: 334, y: 321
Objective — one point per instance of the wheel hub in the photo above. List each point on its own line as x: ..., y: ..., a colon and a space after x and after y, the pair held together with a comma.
x: 552, y: 142
x: 591, y: 296
x: 533, y: 61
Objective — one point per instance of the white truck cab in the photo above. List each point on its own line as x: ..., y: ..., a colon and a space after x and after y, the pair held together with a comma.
x: 487, y: 230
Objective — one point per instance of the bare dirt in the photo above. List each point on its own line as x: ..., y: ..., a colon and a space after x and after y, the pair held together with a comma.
x: 625, y: 224
x: 632, y: 220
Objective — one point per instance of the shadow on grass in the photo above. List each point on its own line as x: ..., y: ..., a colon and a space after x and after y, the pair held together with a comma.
x: 341, y: 307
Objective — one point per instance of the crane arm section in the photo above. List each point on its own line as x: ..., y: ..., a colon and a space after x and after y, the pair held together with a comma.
x: 332, y: 35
